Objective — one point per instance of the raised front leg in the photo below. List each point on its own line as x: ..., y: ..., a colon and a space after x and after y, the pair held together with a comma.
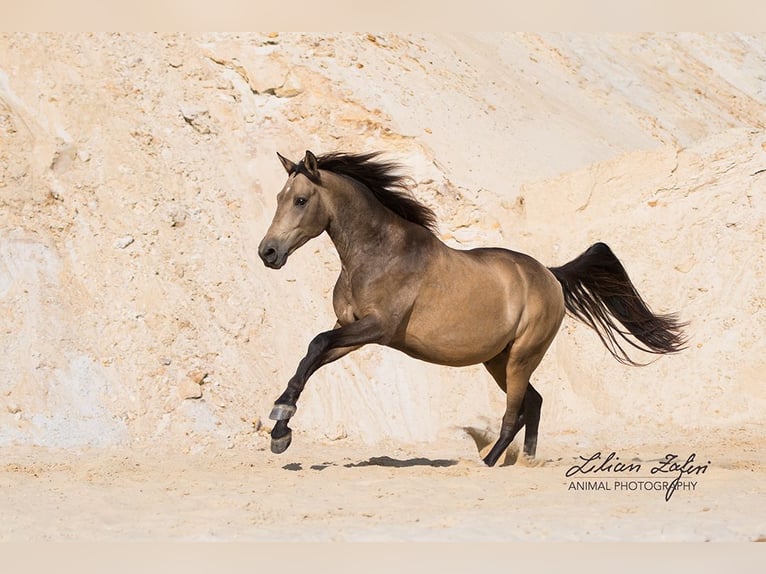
x: 323, y: 349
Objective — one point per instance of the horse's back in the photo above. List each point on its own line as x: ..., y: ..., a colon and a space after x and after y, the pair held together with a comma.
x: 519, y: 272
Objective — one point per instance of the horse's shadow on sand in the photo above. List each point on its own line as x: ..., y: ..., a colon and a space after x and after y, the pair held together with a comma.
x: 387, y: 461
x: 382, y: 461
x: 482, y: 438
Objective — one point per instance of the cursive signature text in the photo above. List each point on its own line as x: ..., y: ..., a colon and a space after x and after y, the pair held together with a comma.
x: 594, y: 463
x: 671, y: 464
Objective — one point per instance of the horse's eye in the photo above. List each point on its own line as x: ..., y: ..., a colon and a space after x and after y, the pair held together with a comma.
x: 300, y: 201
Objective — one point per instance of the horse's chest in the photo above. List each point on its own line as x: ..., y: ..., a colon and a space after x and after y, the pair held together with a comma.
x: 349, y: 299
x: 356, y: 295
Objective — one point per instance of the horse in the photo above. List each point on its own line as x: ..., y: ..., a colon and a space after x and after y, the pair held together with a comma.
x: 400, y: 286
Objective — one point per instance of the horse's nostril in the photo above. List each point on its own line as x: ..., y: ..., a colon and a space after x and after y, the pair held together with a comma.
x: 269, y: 255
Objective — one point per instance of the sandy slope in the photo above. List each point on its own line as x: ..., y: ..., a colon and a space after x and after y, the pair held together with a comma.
x: 144, y: 342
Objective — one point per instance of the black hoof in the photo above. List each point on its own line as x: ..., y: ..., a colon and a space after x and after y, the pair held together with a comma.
x: 489, y: 462
x: 279, y: 445
x: 282, y: 412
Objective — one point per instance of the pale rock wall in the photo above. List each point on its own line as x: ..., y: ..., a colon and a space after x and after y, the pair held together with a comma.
x: 138, y: 174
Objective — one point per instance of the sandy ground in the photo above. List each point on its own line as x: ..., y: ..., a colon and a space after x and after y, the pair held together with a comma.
x: 344, y: 492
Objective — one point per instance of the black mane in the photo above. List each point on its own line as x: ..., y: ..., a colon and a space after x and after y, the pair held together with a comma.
x: 382, y: 180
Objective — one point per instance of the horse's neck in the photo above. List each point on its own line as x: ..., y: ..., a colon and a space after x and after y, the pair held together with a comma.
x: 360, y: 226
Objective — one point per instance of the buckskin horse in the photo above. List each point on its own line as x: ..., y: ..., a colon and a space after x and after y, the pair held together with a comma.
x: 402, y: 287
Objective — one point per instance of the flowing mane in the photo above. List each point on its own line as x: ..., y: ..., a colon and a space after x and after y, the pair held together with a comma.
x: 382, y: 179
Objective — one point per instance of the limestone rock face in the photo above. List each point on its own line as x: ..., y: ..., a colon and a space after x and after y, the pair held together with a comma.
x: 139, y: 172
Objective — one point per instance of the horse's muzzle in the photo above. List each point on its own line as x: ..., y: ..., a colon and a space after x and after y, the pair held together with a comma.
x: 271, y: 256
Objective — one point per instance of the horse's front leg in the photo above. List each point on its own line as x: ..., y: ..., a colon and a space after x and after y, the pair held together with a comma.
x: 323, y: 349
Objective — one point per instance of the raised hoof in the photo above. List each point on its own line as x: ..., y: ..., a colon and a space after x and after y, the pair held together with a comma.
x: 282, y: 412
x: 279, y: 445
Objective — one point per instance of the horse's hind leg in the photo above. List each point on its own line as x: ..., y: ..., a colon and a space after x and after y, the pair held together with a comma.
x: 529, y: 413
x: 514, y: 394
x: 523, y: 358
x: 530, y: 418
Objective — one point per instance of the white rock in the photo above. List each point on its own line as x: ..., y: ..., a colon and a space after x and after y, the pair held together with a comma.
x: 124, y: 241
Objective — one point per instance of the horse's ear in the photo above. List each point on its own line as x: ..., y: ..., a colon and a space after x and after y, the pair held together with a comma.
x: 286, y: 163
x: 311, y: 165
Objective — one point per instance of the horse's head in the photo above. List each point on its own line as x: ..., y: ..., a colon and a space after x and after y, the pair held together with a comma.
x: 301, y: 214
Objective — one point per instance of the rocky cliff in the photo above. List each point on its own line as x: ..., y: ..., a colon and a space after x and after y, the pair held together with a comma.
x: 138, y: 174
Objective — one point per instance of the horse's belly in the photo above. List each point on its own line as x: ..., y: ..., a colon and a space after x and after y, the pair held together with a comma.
x: 449, y: 355
x: 460, y: 335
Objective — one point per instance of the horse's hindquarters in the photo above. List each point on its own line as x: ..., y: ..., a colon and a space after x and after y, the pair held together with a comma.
x: 473, y: 304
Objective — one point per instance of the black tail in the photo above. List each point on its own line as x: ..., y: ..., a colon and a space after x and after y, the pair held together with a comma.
x: 597, y: 290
